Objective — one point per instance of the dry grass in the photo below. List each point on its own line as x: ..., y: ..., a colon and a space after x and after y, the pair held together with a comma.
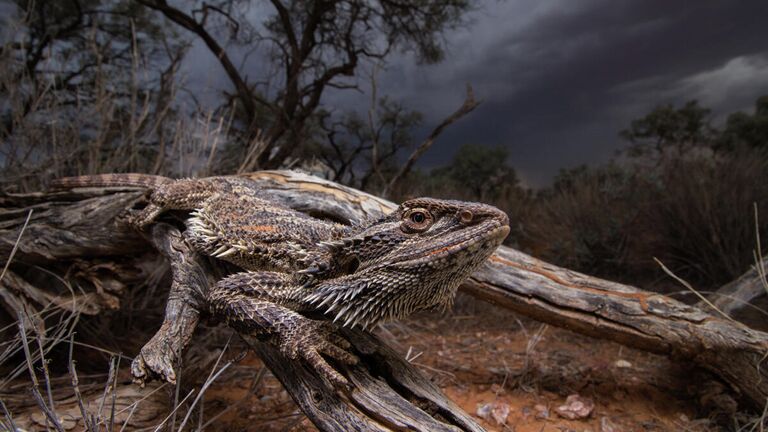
x: 104, y: 400
x: 114, y: 121
x: 587, y: 224
x: 703, y: 215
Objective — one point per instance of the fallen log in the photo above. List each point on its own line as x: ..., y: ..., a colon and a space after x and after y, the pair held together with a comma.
x: 513, y: 280
x: 564, y: 298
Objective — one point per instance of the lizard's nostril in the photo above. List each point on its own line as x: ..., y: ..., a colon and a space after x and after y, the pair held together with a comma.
x: 493, y: 213
x: 466, y: 216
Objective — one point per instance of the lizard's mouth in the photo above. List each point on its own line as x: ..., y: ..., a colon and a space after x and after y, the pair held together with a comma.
x: 481, y: 240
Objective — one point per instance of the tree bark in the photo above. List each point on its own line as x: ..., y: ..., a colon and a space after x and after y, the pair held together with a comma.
x: 72, y: 225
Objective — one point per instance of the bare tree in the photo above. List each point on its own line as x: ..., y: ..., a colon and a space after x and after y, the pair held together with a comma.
x: 363, y: 151
x: 315, y: 45
x: 62, y: 47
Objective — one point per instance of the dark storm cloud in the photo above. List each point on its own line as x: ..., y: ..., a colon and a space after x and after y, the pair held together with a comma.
x: 561, y: 78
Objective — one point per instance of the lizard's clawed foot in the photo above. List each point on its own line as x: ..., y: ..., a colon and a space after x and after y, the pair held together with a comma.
x: 154, y: 361
x: 141, y: 218
x: 312, y: 339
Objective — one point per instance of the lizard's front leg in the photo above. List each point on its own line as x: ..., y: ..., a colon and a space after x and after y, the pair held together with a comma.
x: 189, y: 287
x: 258, y: 304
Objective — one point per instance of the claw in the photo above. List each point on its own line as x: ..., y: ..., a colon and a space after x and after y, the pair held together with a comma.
x: 220, y: 250
x: 316, y: 338
x: 226, y: 253
x: 319, y: 364
x: 309, y: 271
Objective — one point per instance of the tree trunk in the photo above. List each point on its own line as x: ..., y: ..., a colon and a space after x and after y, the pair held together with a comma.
x: 81, y: 226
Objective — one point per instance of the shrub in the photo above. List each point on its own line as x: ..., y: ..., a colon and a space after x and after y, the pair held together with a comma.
x: 693, y: 212
x: 583, y: 222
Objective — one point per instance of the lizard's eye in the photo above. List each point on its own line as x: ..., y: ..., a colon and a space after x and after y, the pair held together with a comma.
x: 416, y: 220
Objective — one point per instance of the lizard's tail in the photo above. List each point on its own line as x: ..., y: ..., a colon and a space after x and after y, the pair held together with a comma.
x: 105, y: 180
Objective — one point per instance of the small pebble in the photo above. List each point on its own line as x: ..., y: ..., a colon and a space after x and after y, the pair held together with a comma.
x: 575, y: 407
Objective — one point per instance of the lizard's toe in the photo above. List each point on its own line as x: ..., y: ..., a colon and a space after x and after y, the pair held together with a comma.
x: 330, y: 342
x: 133, y: 218
x: 339, y: 354
x: 319, y: 364
x: 339, y: 340
x: 314, y: 340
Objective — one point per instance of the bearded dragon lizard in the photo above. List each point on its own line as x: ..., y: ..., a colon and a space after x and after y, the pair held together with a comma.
x: 300, y: 273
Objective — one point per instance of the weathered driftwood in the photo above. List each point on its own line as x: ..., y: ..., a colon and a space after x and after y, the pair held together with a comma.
x: 513, y: 280
x: 737, y: 294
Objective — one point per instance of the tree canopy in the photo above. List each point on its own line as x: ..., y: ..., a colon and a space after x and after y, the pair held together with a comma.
x: 668, y: 128
x: 747, y: 129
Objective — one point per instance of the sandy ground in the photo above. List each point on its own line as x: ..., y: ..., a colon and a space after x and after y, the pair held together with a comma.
x: 510, y: 373
x: 519, y: 367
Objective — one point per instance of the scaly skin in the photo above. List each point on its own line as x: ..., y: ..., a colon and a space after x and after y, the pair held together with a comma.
x: 232, y: 219
x: 299, y: 268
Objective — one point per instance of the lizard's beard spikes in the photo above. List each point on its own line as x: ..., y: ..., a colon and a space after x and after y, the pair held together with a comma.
x: 394, y: 291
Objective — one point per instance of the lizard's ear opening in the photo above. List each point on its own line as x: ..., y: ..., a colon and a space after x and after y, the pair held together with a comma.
x: 352, y: 265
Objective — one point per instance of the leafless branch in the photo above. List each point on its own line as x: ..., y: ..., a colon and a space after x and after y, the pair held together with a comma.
x: 468, y: 106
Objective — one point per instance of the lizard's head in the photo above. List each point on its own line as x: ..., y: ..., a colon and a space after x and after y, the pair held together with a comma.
x: 428, y: 233
x: 412, y: 259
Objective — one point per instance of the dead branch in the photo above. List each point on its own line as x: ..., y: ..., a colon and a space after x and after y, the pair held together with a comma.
x: 468, y: 106
x: 244, y: 93
x: 738, y: 293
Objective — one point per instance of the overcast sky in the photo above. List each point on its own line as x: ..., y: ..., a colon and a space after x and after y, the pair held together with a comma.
x: 560, y: 78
